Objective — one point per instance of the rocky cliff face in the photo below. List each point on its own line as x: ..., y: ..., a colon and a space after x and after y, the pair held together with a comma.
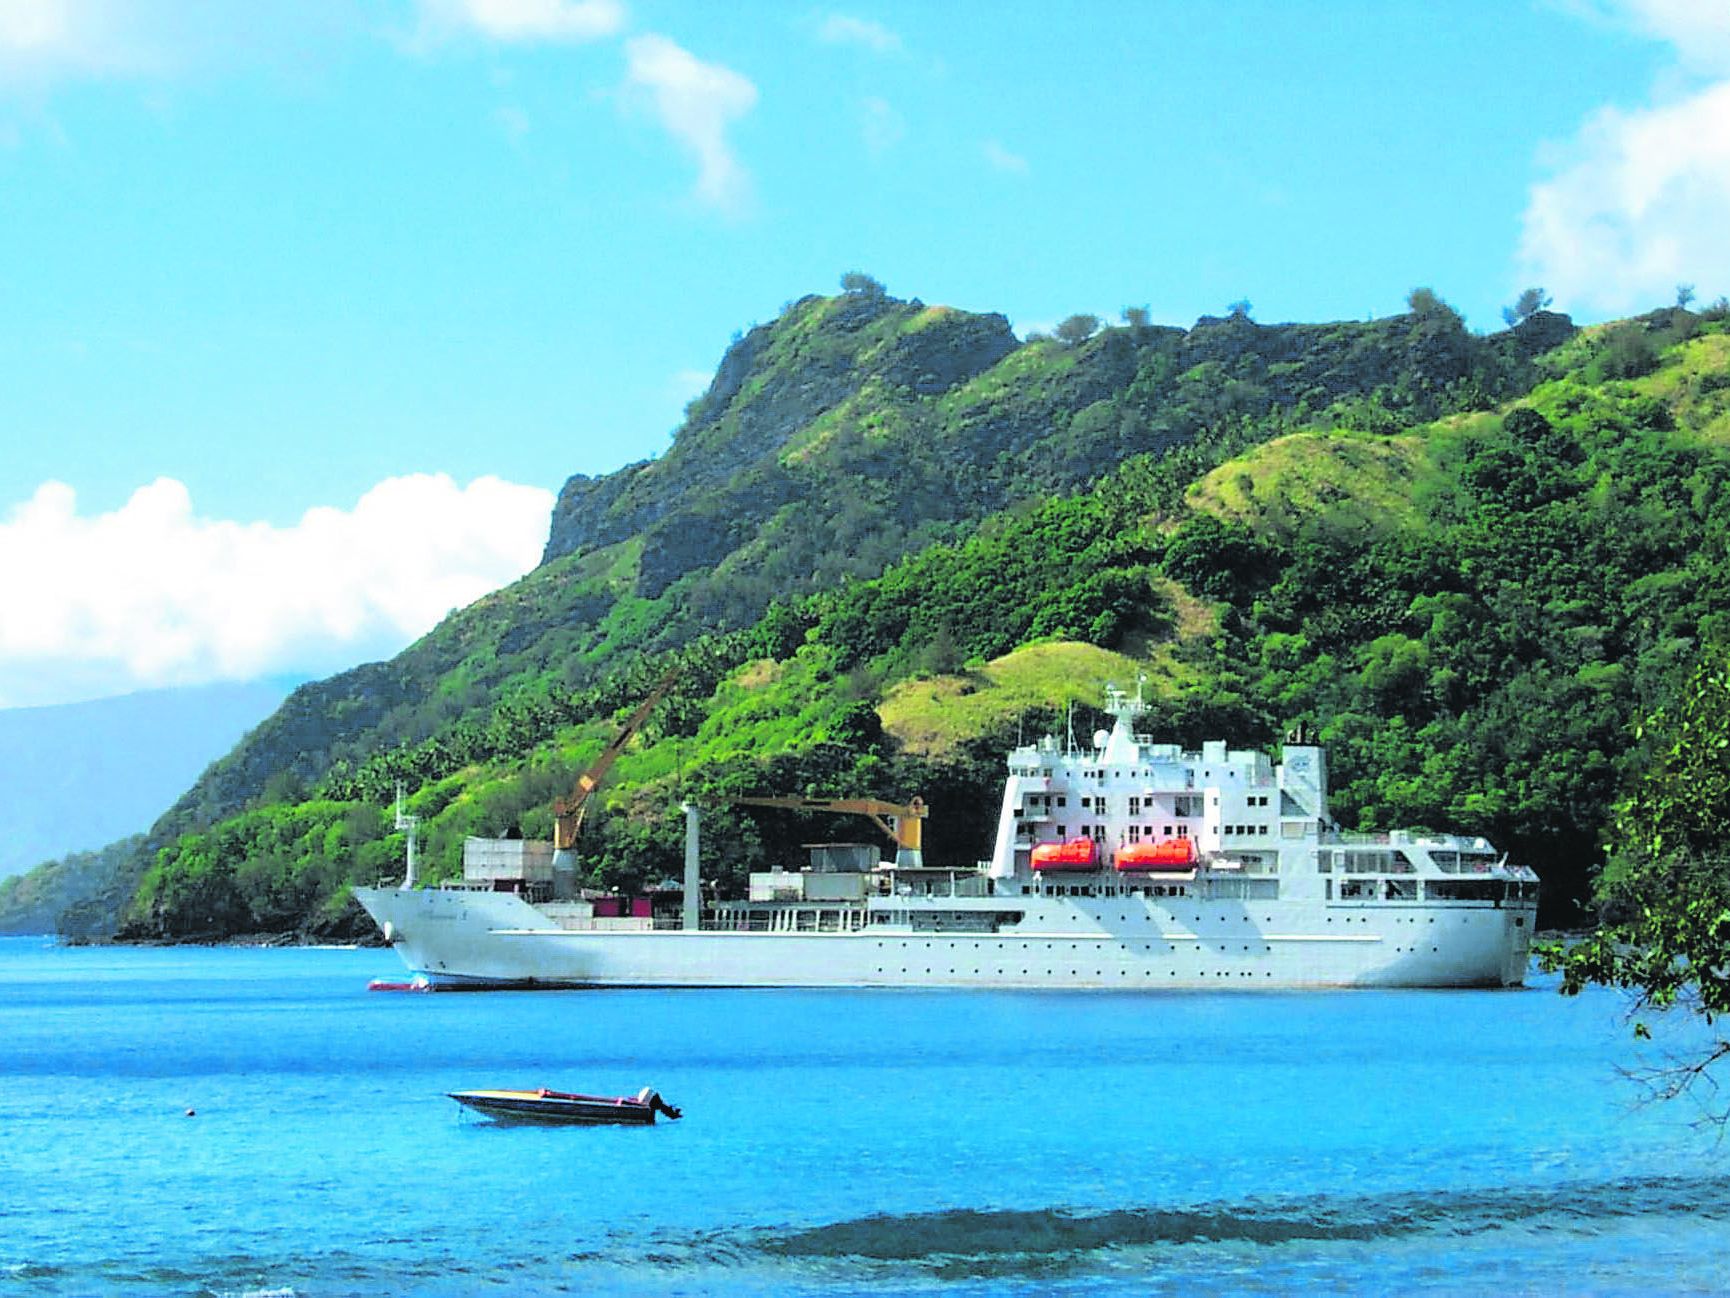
x: 833, y: 440
x: 773, y: 383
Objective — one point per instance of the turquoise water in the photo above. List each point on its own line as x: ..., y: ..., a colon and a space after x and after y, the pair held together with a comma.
x: 834, y: 1142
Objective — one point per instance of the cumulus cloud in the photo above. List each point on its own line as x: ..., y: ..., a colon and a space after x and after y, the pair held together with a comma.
x: 1637, y: 202
x: 1641, y: 204
x: 152, y: 594
x: 41, y: 40
x: 696, y: 102
x: 1699, y: 29
x: 47, y: 42
x: 839, y: 29
x: 524, y: 20
x: 1001, y: 159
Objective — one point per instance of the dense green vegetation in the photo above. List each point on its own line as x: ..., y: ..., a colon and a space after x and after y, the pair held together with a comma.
x: 1471, y: 598
x: 1473, y: 649
x: 1665, y: 893
x: 847, y: 433
x: 78, y: 895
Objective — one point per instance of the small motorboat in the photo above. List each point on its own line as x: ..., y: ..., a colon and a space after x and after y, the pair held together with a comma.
x: 564, y: 1107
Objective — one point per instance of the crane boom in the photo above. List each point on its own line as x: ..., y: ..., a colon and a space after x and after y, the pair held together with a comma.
x: 902, y: 823
x: 568, y: 811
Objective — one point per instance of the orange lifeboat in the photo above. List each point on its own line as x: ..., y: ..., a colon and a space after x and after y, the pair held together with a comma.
x: 1166, y: 854
x: 1076, y: 854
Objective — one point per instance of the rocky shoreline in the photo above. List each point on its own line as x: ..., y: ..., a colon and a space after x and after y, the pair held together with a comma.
x: 287, y: 939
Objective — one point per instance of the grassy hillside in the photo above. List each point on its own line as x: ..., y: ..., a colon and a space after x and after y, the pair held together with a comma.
x: 847, y: 433
x: 835, y: 440
x: 1470, y: 598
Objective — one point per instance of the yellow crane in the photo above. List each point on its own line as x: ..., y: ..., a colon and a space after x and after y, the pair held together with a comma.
x: 904, y: 824
x: 568, y: 812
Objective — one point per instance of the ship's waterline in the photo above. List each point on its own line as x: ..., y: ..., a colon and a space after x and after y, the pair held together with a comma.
x: 1128, y: 864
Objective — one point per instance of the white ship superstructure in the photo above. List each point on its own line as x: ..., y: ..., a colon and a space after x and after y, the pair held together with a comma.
x: 1126, y: 864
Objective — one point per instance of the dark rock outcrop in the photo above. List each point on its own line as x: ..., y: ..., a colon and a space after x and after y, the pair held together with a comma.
x: 948, y: 352
x: 1541, y: 331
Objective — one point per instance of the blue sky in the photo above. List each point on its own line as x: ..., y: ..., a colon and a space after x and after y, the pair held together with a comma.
x: 287, y: 254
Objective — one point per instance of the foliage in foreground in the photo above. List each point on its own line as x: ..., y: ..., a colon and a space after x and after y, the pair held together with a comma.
x: 1665, y: 893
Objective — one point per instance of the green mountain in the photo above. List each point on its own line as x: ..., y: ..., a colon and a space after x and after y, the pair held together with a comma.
x: 890, y: 535
x: 849, y: 432
x: 74, y: 776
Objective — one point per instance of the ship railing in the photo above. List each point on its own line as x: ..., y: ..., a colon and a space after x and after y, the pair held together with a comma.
x: 1457, y: 865
x: 1392, y: 866
x: 731, y: 923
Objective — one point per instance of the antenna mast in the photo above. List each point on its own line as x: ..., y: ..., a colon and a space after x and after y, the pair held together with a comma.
x: 411, y: 826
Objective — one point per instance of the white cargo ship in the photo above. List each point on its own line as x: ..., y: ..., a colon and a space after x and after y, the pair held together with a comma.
x: 1124, y: 864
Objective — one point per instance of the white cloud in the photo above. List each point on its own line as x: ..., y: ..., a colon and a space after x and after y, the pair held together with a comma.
x: 839, y: 29
x: 524, y: 20
x: 1641, y: 205
x: 1699, y: 29
x: 42, y: 40
x: 1638, y: 201
x: 151, y: 594
x: 1003, y: 160
x: 696, y: 102
x: 883, y: 128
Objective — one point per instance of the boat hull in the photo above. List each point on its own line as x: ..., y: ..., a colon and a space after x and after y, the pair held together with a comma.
x: 479, y: 938
x: 557, y: 1109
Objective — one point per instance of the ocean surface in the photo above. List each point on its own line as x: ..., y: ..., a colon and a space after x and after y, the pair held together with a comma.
x: 861, y: 1143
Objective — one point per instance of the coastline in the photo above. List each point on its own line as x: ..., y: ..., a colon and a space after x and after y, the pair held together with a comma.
x: 310, y: 941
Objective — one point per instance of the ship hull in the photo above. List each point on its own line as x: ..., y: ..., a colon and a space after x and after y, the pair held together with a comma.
x: 478, y: 938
